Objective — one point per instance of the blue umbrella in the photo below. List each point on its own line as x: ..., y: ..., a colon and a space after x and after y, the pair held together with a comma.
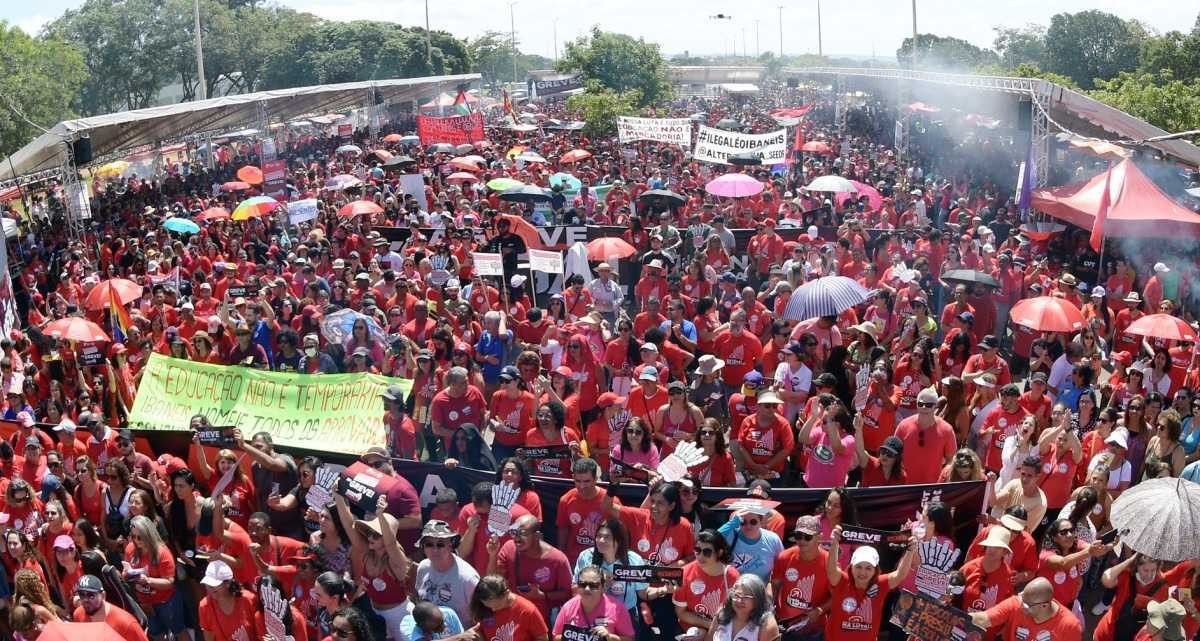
x: 181, y: 226
x: 568, y: 181
x: 338, y: 325
x: 827, y: 296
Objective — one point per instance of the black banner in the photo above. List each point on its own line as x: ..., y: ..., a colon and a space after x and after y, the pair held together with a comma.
x: 926, y: 618
x: 560, y: 84
x: 576, y: 633
x: 219, y: 437
x: 882, y: 508
x: 91, y: 354
x: 647, y: 573
x: 555, y: 452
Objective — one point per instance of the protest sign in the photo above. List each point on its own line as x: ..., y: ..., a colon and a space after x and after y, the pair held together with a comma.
x: 925, y: 618
x: 676, y: 131
x: 557, y: 452
x: 302, y: 211
x: 217, y: 437
x: 556, y: 85
x: 488, y: 264
x: 414, y: 185
x: 91, y: 354
x: 227, y: 477
x: 456, y: 130
x: 274, y: 177
x: 577, y: 633
x: 618, y: 467
x: 550, y: 262
x: 646, y: 573
x: 717, y: 145
x: 328, y: 412
x: 754, y: 506
x: 362, y: 484
x: 321, y: 492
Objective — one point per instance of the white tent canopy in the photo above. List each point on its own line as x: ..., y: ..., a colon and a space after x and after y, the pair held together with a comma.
x: 132, y: 129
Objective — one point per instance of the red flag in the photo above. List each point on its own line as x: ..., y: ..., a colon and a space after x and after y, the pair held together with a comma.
x: 1097, y: 239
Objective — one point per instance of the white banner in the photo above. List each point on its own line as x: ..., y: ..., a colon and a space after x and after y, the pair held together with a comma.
x: 414, y: 185
x: 488, y: 264
x: 302, y: 210
x: 546, y: 261
x: 676, y: 131
x: 717, y: 145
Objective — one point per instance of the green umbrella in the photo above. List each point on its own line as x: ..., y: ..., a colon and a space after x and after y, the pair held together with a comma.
x: 566, y: 180
x: 504, y: 184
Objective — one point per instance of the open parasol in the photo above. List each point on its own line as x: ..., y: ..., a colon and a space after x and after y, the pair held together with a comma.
x: 75, y: 328
x: 608, y: 248
x: 214, y: 213
x: 526, y: 194
x: 1160, y: 518
x: 661, y: 198
x: 575, y: 155
x: 359, y: 208
x: 462, y: 177
x: 826, y: 296
x: 254, y: 207
x: 1047, y: 314
x: 969, y: 277
x: 126, y: 291
x: 234, y: 185
x: 504, y: 184
x: 833, y: 183
x: 1163, y: 326
x: 734, y: 186
x: 250, y: 174
x: 815, y: 147
x: 181, y: 226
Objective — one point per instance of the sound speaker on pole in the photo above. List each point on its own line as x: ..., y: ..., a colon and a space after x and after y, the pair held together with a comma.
x: 82, y: 150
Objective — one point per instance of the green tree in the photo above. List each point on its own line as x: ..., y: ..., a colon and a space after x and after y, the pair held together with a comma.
x: 40, y: 79
x: 620, y: 63
x: 1026, y: 70
x: 944, y: 53
x: 491, y: 57
x: 1170, y: 104
x: 599, y: 107
x: 1089, y: 45
x: 1173, y: 51
x: 1021, y: 45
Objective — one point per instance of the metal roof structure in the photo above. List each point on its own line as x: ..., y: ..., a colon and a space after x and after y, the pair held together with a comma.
x: 112, y: 134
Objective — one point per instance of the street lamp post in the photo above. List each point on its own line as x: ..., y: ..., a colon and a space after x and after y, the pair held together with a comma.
x: 428, y: 39
x: 914, y: 53
x: 556, y: 40
x: 202, y: 87
x: 512, y: 24
x: 820, y: 48
x: 780, y: 32
x: 757, y: 45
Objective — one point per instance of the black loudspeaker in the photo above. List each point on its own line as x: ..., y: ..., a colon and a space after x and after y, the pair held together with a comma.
x: 792, y: 83
x: 1025, y: 116
x: 82, y: 150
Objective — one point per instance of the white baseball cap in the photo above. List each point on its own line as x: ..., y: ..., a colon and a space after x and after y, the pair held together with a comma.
x: 216, y: 573
x: 863, y: 554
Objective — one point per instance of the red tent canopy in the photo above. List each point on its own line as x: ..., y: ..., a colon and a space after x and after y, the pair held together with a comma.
x: 1138, y: 209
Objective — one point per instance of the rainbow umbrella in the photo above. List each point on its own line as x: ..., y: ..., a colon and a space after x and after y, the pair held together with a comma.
x: 254, y: 207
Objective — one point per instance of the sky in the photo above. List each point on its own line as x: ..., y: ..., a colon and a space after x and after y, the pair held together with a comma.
x: 862, y: 28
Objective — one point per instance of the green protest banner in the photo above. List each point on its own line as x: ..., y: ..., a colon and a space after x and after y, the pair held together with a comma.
x: 326, y: 412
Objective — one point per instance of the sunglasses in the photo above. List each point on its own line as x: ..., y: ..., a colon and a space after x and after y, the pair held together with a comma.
x: 926, y: 404
x: 1066, y: 531
x: 340, y: 633
x: 706, y: 551
x: 589, y: 585
x: 435, y: 544
x: 635, y: 431
x: 750, y: 522
x: 801, y: 536
x: 705, y: 433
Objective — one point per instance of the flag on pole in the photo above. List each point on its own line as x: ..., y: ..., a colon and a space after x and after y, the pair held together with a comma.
x: 508, y: 105
x: 1097, y: 239
x: 121, y: 321
x: 461, y: 106
x: 1028, y: 180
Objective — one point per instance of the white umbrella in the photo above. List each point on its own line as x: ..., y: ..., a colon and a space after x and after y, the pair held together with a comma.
x: 349, y: 149
x: 524, y: 128
x: 529, y: 156
x: 836, y: 184
x: 827, y: 296
x: 1160, y: 518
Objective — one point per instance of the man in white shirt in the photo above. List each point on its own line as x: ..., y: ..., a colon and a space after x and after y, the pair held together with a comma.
x: 607, y: 296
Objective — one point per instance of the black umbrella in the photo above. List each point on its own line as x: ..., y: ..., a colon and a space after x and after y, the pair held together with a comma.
x: 396, y: 161
x: 526, y: 194
x: 746, y: 158
x: 661, y: 198
x: 969, y: 277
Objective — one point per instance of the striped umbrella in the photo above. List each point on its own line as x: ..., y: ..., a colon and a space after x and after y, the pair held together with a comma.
x: 254, y: 207
x: 1159, y: 518
x: 827, y: 296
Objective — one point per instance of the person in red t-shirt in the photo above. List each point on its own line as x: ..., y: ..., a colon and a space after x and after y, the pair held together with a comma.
x: 1034, y: 614
x: 929, y: 442
x: 765, y: 439
x: 799, y: 580
x: 512, y: 413
x: 580, y: 510
x: 226, y: 614
x: 513, y: 617
x: 460, y: 403
x: 94, y: 608
x: 988, y: 578
x: 738, y: 348
x: 1001, y: 423
x: 856, y: 609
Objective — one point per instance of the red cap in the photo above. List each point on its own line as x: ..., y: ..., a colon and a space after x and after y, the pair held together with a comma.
x: 1122, y: 357
x: 462, y: 347
x: 563, y: 370
x: 172, y: 463
x: 770, y: 222
x: 609, y: 399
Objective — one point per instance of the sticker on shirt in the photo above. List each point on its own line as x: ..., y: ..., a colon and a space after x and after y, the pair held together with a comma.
x: 800, y: 596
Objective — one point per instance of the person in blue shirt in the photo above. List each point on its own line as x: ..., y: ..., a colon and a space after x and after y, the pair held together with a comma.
x: 491, y: 348
x: 753, y: 548
x: 678, y: 328
x: 429, y: 621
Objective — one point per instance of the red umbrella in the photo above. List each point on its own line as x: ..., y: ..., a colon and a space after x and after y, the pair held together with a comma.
x: 77, y: 329
x: 214, y: 213
x: 1163, y: 326
x: 575, y: 155
x: 461, y: 177
x: 815, y: 147
x: 126, y: 291
x: 526, y: 231
x: 1047, y: 314
x: 235, y: 185
x: 359, y: 208
x: 250, y: 174
x: 382, y: 154
x: 609, y: 247
x: 465, y: 164
x: 392, y: 138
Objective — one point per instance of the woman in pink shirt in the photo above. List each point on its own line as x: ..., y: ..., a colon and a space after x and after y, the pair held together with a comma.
x: 828, y: 436
x: 593, y: 610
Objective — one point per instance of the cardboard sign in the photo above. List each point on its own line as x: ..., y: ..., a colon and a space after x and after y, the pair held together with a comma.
x: 218, y: 437
x: 545, y: 261
x: 274, y: 609
x: 676, y: 131
x: 488, y: 264
x: 274, y: 177
x: 302, y: 211
x: 91, y: 354
x: 925, y: 618
x: 242, y: 291
x: 647, y: 573
x: 716, y: 146
x: 855, y: 535
x: 577, y: 633
x: 627, y: 470
x: 320, y: 494
x: 559, y: 452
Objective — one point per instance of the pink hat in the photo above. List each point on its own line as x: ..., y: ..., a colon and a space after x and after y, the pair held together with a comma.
x: 64, y: 542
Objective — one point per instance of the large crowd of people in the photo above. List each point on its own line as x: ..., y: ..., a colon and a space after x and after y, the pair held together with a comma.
x: 925, y: 382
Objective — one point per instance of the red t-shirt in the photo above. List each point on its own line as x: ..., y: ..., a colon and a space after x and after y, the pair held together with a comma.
x: 658, y: 544
x: 761, y: 443
x: 237, y: 625
x: 550, y: 467
x: 123, y: 622
x: 803, y: 584
x: 1010, y: 618
x: 520, y: 621
x: 700, y: 592
x: 515, y: 416
x: 479, y: 554
x: 551, y: 572
x: 740, y: 353
x: 984, y: 589
x: 855, y: 615
x: 1024, y: 557
x: 1005, y: 423
x: 161, y: 568
x: 237, y: 545
x: 1058, y: 476
x: 1066, y: 582
x: 576, y: 521
x: 925, y: 454
x: 454, y: 412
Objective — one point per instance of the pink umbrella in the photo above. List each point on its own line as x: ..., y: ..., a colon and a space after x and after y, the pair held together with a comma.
x: 874, y: 198
x: 461, y: 177
x: 734, y: 186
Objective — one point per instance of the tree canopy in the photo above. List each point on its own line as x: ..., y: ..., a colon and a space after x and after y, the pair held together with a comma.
x: 944, y: 53
x: 620, y: 63
x: 40, y: 80
x: 491, y: 58
x: 1090, y: 45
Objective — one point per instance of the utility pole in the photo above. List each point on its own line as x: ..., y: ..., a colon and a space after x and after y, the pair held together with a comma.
x: 202, y: 87
x: 428, y: 39
x: 780, y: 32
x: 556, y: 40
x: 744, y: 52
x: 757, y: 45
x: 512, y: 24
x: 914, y: 57
x: 820, y: 48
